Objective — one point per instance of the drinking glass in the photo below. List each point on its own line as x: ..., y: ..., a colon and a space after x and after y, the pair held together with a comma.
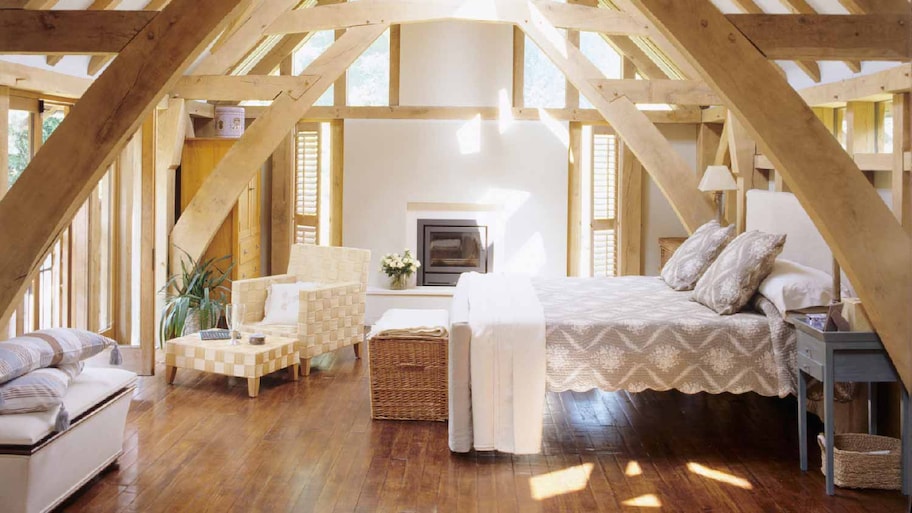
x: 234, y: 314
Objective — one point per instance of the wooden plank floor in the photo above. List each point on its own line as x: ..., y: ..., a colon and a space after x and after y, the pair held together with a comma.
x: 202, y: 446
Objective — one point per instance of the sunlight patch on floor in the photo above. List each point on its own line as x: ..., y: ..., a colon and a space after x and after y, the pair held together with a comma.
x: 644, y: 501
x: 559, y: 482
x: 718, y: 475
x: 633, y: 469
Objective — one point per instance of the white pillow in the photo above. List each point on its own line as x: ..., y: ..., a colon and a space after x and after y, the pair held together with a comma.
x: 282, y: 300
x: 792, y: 286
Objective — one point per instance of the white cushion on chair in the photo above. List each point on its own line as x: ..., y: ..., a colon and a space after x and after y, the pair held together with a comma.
x: 283, y: 300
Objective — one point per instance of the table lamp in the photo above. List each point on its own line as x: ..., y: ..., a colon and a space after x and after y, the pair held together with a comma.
x: 717, y: 179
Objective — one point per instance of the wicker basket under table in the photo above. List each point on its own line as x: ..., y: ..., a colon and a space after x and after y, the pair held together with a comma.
x: 408, y: 378
x: 854, y: 467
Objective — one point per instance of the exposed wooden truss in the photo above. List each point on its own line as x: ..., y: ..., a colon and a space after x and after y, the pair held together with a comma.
x: 238, y: 88
x: 86, y: 32
x: 871, y: 37
x: 35, y: 79
x: 32, y: 214
x: 868, y: 242
x: 671, y: 173
x: 218, y: 194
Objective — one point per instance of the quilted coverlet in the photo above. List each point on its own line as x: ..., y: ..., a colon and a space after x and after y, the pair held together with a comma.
x: 635, y: 333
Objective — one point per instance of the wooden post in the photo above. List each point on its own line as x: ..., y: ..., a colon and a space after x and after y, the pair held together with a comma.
x: 901, y: 184
x: 742, y: 150
x: 169, y: 145
x: 575, y: 200
x: 147, y: 290
x: 630, y: 184
x: 519, y: 67
x: 4, y: 139
x: 395, y: 63
x: 337, y: 168
x: 63, y: 174
x: 708, y: 137
x: 283, y: 168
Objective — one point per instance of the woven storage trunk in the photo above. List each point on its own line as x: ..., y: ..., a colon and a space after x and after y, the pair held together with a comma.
x: 408, y: 378
x: 852, y: 468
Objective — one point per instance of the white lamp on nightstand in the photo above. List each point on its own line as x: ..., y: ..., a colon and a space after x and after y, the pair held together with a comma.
x: 715, y: 180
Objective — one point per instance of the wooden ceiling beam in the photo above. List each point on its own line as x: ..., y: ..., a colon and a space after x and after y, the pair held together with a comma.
x: 878, y: 86
x: 371, y: 12
x: 876, y: 6
x: 69, y: 165
x: 672, y: 174
x: 284, y: 48
x: 868, y: 242
x: 40, y: 4
x: 248, y: 33
x: 239, y: 88
x: 69, y: 32
x: 218, y: 194
x: 20, y: 76
x: 672, y: 92
x: 871, y: 37
x: 802, y: 7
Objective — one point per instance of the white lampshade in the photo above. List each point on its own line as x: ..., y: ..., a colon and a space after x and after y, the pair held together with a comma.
x: 717, y: 178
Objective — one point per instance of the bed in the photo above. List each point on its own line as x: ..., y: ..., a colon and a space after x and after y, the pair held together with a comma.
x: 514, y: 338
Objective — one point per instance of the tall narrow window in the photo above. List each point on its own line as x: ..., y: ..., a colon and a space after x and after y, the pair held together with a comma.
x: 308, y: 52
x: 603, y: 56
x: 20, y: 143
x: 543, y: 84
x: 368, y: 76
x: 604, y: 202
x: 307, y: 184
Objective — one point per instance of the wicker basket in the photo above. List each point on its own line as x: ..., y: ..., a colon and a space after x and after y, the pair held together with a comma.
x: 854, y: 468
x: 408, y: 378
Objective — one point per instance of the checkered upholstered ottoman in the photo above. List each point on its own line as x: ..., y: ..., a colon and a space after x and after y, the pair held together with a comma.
x: 243, y: 360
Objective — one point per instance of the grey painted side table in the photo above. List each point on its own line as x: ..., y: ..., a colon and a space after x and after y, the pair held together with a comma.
x: 832, y: 356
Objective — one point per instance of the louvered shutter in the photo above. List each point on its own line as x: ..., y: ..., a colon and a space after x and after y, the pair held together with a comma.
x: 307, y: 183
x: 604, y: 203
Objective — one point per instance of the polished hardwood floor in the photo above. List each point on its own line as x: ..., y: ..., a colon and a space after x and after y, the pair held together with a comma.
x: 201, y: 445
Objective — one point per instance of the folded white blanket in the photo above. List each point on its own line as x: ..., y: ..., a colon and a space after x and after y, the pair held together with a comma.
x: 406, y: 323
x: 507, y: 362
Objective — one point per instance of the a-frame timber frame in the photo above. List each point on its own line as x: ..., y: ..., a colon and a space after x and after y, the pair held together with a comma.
x: 61, y: 175
x: 865, y: 237
x: 700, y: 44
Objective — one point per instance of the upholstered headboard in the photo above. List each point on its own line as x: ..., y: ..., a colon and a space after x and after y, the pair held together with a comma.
x: 780, y: 212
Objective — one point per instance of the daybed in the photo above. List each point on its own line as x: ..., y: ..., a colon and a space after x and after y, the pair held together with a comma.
x: 513, y: 338
x: 39, y: 468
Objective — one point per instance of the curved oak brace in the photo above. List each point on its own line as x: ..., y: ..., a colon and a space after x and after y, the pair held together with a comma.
x: 218, y: 194
x: 67, y: 168
x: 671, y: 173
x: 871, y: 246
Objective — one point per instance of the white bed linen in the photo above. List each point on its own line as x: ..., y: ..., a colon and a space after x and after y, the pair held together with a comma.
x: 507, y: 362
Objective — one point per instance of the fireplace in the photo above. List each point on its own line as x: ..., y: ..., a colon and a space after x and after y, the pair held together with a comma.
x: 450, y: 247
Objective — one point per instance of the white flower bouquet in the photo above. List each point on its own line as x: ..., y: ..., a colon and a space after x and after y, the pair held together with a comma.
x: 399, y: 268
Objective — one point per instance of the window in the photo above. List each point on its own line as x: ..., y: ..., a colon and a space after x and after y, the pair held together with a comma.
x: 602, y: 56
x: 20, y: 143
x: 368, y: 76
x: 307, y: 184
x: 309, y: 51
x: 840, y: 125
x: 543, y: 84
x: 604, y: 202
x: 884, y: 126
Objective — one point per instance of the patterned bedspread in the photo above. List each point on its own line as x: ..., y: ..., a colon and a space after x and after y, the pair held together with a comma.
x: 635, y: 333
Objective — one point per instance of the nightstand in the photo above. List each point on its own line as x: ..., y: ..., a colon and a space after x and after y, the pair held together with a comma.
x: 832, y: 356
x: 667, y: 247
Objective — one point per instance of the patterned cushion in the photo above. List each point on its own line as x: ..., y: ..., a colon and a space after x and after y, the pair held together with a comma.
x: 39, y: 390
x: 735, y: 276
x: 695, y: 255
x: 46, y: 348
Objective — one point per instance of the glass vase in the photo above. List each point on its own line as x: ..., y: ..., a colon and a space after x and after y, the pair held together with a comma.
x: 399, y: 281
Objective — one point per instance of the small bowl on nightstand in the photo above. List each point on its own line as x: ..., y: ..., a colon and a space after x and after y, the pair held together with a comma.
x: 257, y: 339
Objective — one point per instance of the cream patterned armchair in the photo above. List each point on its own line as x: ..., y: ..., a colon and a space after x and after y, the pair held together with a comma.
x: 330, y: 316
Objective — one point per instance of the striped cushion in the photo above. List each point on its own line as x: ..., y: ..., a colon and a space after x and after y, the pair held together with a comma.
x: 39, y: 390
x: 46, y: 348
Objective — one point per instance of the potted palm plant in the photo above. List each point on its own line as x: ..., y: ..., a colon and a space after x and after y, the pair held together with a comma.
x: 195, y: 298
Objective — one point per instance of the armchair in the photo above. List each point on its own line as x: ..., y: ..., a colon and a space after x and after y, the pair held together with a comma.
x: 330, y: 316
